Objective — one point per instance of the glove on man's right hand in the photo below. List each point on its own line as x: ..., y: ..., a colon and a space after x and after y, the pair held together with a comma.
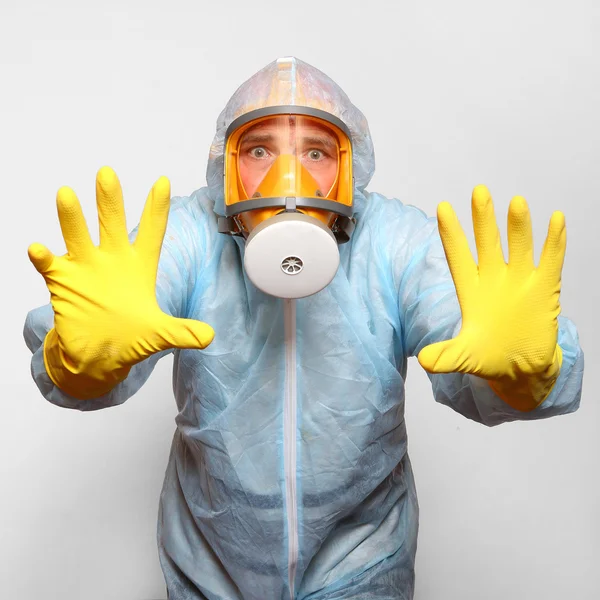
x: 106, y: 315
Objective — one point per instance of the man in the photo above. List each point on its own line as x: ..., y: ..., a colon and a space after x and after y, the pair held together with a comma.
x: 288, y: 475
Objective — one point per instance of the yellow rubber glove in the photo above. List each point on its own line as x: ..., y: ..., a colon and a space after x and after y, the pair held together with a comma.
x: 509, y: 311
x: 106, y: 316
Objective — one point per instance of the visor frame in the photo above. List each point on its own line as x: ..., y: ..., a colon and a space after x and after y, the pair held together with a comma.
x: 342, y: 221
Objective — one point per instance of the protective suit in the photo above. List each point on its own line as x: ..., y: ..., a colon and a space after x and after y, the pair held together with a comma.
x: 289, y: 475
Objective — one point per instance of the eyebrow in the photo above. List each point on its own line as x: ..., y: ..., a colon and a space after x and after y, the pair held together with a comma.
x: 323, y: 140
x: 257, y: 138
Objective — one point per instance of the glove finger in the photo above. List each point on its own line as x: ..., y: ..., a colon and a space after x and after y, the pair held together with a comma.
x: 111, y: 210
x: 41, y: 258
x: 153, y: 223
x: 553, y: 253
x: 520, y: 236
x: 485, y: 228
x: 185, y: 333
x: 444, y: 357
x: 72, y: 223
x: 456, y: 247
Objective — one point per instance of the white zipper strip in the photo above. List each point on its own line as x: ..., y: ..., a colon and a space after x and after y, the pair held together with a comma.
x: 289, y: 438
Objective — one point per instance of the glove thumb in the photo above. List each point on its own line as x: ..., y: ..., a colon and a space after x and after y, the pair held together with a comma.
x: 185, y: 334
x: 41, y: 257
x: 444, y: 357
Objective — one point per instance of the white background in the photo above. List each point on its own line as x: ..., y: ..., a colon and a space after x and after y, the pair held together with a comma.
x: 457, y: 93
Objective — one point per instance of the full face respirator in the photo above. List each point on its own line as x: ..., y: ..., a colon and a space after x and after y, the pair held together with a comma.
x: 288, y: 192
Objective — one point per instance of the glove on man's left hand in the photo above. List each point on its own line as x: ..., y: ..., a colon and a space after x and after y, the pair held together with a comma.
x: 509, y: 311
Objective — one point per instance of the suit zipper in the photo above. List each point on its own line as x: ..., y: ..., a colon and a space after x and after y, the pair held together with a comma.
x: 290, y: 439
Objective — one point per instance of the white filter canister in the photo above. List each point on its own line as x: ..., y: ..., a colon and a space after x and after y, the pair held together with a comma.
x: 291, y: 255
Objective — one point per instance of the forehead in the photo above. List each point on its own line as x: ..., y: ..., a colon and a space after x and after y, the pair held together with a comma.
x: 285, y: 123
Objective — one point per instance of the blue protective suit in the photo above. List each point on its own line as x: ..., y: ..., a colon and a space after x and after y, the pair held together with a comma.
x: 288, y: 474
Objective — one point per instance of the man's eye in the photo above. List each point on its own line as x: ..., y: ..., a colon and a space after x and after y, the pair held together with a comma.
x: 258, y: 152
x: 315, y: 154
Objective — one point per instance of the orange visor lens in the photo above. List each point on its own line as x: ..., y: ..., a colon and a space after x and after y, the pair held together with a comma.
x: 288, y: 155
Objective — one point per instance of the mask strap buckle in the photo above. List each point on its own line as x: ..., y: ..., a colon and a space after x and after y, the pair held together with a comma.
x: 343, y: 228
x: 229, y: 226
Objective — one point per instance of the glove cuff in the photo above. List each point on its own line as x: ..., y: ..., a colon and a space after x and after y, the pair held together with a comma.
x: 526, y: 393
x: 80, y: 383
